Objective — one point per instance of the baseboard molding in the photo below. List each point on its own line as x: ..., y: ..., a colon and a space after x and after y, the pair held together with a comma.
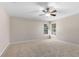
x: 4, y: 49
x: 70, y: 43
x: 25, y: 41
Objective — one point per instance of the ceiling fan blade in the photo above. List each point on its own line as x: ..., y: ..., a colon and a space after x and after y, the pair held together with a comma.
x: 47, y: 9
x: 53, y: 11
x: 44, y: 11
x: 53, y: 14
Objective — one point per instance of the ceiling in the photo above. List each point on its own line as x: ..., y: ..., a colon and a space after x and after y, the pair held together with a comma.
x: 33, y: 9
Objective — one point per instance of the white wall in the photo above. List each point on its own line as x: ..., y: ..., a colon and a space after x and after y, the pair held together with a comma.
x: 68, y: 29
x: 4, y: 30
x: 24, y: 29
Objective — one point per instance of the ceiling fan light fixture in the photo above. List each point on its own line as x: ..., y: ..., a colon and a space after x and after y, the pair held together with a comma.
x: 49, y: 11
x: 47, y: 14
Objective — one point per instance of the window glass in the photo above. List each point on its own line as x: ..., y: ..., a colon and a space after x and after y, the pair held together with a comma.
x: 54, y: 29
x: 45, y: 29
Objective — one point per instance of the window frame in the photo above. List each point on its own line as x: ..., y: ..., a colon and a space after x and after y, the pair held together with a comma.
x: 45, y: 28
x: 53, y: 28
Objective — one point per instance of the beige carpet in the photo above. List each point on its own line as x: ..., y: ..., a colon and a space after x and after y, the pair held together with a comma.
x: 42, y: 48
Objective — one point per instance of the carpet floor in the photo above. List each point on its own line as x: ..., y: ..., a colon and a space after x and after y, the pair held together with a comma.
x: 42, y: 48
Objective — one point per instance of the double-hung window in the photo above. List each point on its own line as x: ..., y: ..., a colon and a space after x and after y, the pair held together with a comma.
x: 45, y: 29
x: 53, y: 32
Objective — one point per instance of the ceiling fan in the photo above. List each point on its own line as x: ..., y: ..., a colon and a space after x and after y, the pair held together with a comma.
x: 49, y: 11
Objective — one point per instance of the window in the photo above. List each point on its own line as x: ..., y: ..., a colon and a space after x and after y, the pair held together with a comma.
x: 45, y: 29
x: 54, y: 29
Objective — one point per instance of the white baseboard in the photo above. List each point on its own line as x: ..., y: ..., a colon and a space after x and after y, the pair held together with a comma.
x: 70, y: 43
x: 4, y: 49
x: 25, y: 41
